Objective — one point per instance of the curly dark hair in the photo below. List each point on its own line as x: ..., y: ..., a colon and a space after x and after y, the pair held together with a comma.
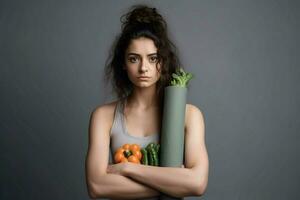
x: 141, y: 21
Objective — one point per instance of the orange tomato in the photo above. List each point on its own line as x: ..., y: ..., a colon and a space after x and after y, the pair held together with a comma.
x: 123, y: 152
x: 118, y: 156
x: 133, y: 159
x: 135, y: 147
x: 120, y: 149
x: 137, y: 153
x: 124, y: 160
x: 126, y: 146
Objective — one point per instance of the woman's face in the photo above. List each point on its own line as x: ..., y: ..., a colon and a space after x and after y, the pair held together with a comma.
x: 140, y: 60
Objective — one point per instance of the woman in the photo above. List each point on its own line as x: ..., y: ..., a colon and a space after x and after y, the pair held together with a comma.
x: 142, y: 62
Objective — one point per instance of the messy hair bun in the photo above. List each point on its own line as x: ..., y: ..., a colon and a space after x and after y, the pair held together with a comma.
x: 144, y: 16
x: 141, y: 21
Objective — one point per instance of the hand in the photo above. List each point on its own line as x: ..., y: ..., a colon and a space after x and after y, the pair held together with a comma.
x: 117, y: 168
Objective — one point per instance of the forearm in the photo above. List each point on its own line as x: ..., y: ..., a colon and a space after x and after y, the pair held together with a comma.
x: 115, y: 186
x: 176, y: 182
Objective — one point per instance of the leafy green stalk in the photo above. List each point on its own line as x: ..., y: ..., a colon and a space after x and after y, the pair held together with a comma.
x: 181, y: 78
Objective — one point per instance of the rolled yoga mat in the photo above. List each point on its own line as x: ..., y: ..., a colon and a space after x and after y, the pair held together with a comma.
x: 172, y: 130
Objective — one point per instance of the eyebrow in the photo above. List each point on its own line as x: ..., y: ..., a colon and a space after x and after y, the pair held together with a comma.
x: 136, y: 54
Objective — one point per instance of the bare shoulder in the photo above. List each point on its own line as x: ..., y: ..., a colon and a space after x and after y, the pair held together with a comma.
x: 192, y: 108
x: 106, y: 108
x: 105, y: 112
x: 193, y: 113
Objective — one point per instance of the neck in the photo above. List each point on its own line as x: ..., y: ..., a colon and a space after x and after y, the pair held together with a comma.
x: 143, y: 98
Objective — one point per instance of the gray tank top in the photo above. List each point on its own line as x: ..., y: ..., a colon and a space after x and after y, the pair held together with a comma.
x: 120, y: 136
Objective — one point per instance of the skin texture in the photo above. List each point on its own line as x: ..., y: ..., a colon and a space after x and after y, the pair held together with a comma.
x: 129, y: 180
x: 141, y: 59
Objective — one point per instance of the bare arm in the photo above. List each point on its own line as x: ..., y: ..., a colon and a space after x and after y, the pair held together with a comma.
x: 121, y: 187
x: 179, y: 182
x: 100, y: 184
x: 176, y: 182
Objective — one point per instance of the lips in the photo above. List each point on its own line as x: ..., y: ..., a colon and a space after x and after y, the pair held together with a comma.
x: 143, y: 77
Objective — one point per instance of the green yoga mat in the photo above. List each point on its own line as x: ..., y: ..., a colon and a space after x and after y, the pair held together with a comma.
x: 173, y: 121
x: 172, y: 135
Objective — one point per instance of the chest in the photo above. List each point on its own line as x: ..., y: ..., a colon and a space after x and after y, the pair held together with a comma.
x: 142, y: 123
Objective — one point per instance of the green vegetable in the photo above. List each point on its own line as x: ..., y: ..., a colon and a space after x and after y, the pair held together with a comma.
x: 127, y: 153
x: 157, y: 147
x: 181, y: 78
x: 151, y: 159
x: 158, y: 154
x: 144, y: 157
x: 154, y: 155
x: 153, y: 149
x: 150, y: 145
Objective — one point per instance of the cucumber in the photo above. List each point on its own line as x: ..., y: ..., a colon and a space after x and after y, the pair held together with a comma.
x: 155, y: 157
x: 151, y: 159
x: 144, y: 157
x: 150, y: 145
x: 157, y: 148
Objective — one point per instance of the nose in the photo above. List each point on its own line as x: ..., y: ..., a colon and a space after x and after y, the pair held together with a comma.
x: 144, y: 66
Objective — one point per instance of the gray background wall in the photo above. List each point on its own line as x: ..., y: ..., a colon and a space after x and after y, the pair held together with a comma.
x: 245, y: 55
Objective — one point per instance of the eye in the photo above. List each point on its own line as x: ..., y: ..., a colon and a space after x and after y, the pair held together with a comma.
x: 153, y: 58
x: 132, y: 59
